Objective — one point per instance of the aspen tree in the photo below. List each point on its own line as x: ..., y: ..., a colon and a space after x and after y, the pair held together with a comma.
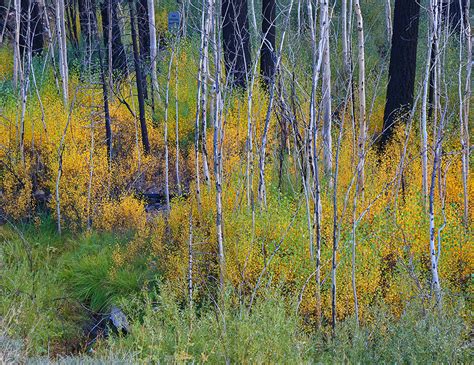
x: 61, y: 34
x: 165, y: 130
x: 326, y: 91
x: 218, y: 139
x: 388, y: 20
x: 176, y: 103
x: 362, y: 107
x: 465, y: 106
x: 345, y: 41
x: 204, y: 94
x: 153, y: 48
x: 197, y: 124
x: 317, y: 59
x: 16, y: 45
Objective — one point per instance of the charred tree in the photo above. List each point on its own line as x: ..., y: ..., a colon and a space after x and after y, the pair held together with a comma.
x: 143, y: 29
x: 119, y: 61
x: 139, y: 78
x: 402, y: 67
x: 236, y: 41
x: 267, y: 53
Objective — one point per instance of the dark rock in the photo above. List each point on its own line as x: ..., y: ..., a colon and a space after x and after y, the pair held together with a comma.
x: 119, y: 320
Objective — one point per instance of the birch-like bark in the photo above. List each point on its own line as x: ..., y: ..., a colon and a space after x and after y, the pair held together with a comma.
x: 388, y: 20
x: 424, y: 117
x: 153, y: 48
x: 326, y: 92
x: 433, y: 255
x: 61, y: 32
x: 197, y: 124
x: 165, y: 132
x: 204, y: 95
x: 218, y: 135
x: 176, y: 106
x: 25, y: 67
x: 465, y: 107
x: 362, y: 107
x: 16, y: 44
x: 345, y: 41
x: 317, y: 60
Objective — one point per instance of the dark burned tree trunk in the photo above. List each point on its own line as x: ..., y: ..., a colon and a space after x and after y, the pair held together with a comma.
x: 119, y: 61
x: 402, y: 67
x: 144, y: 41
x: 92, y: 31
x: 139, y: 78
x: 236, y: 40
x: 31, y: 27
x: 267, y: 58
x: 143, y: 29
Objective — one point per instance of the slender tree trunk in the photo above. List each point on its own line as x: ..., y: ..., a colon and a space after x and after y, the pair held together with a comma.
x: 326, y: 92
x: 153, y: 49
x: 433, y: 255
x: 63, y: 61
x: 465, y: 109
x: 317, y: 60
x: 165, y: 133
x: 17, y: 69
x: 345, y: 41
x: 388, y: 20
x: 138, y: 72
x: 204, y: 95
x: 362, y: 106
x: 176, y: 101
x: 218, y: 135
x: 197, y: 126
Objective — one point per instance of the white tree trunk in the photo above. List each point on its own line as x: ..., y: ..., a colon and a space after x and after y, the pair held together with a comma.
x: 16, y: 44
x: 153, y: 47
x: 165, y: 133
x: 345, y: 41
x: 362, y: 104
x: 465, y: 108
x: 218, y: 136
x: 197, y: 124
x: 388, y: 20
x: 61, y: 32
x: 326, y: 92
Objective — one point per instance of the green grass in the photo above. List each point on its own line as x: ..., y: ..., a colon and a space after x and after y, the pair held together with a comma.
x: 47, y: 281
